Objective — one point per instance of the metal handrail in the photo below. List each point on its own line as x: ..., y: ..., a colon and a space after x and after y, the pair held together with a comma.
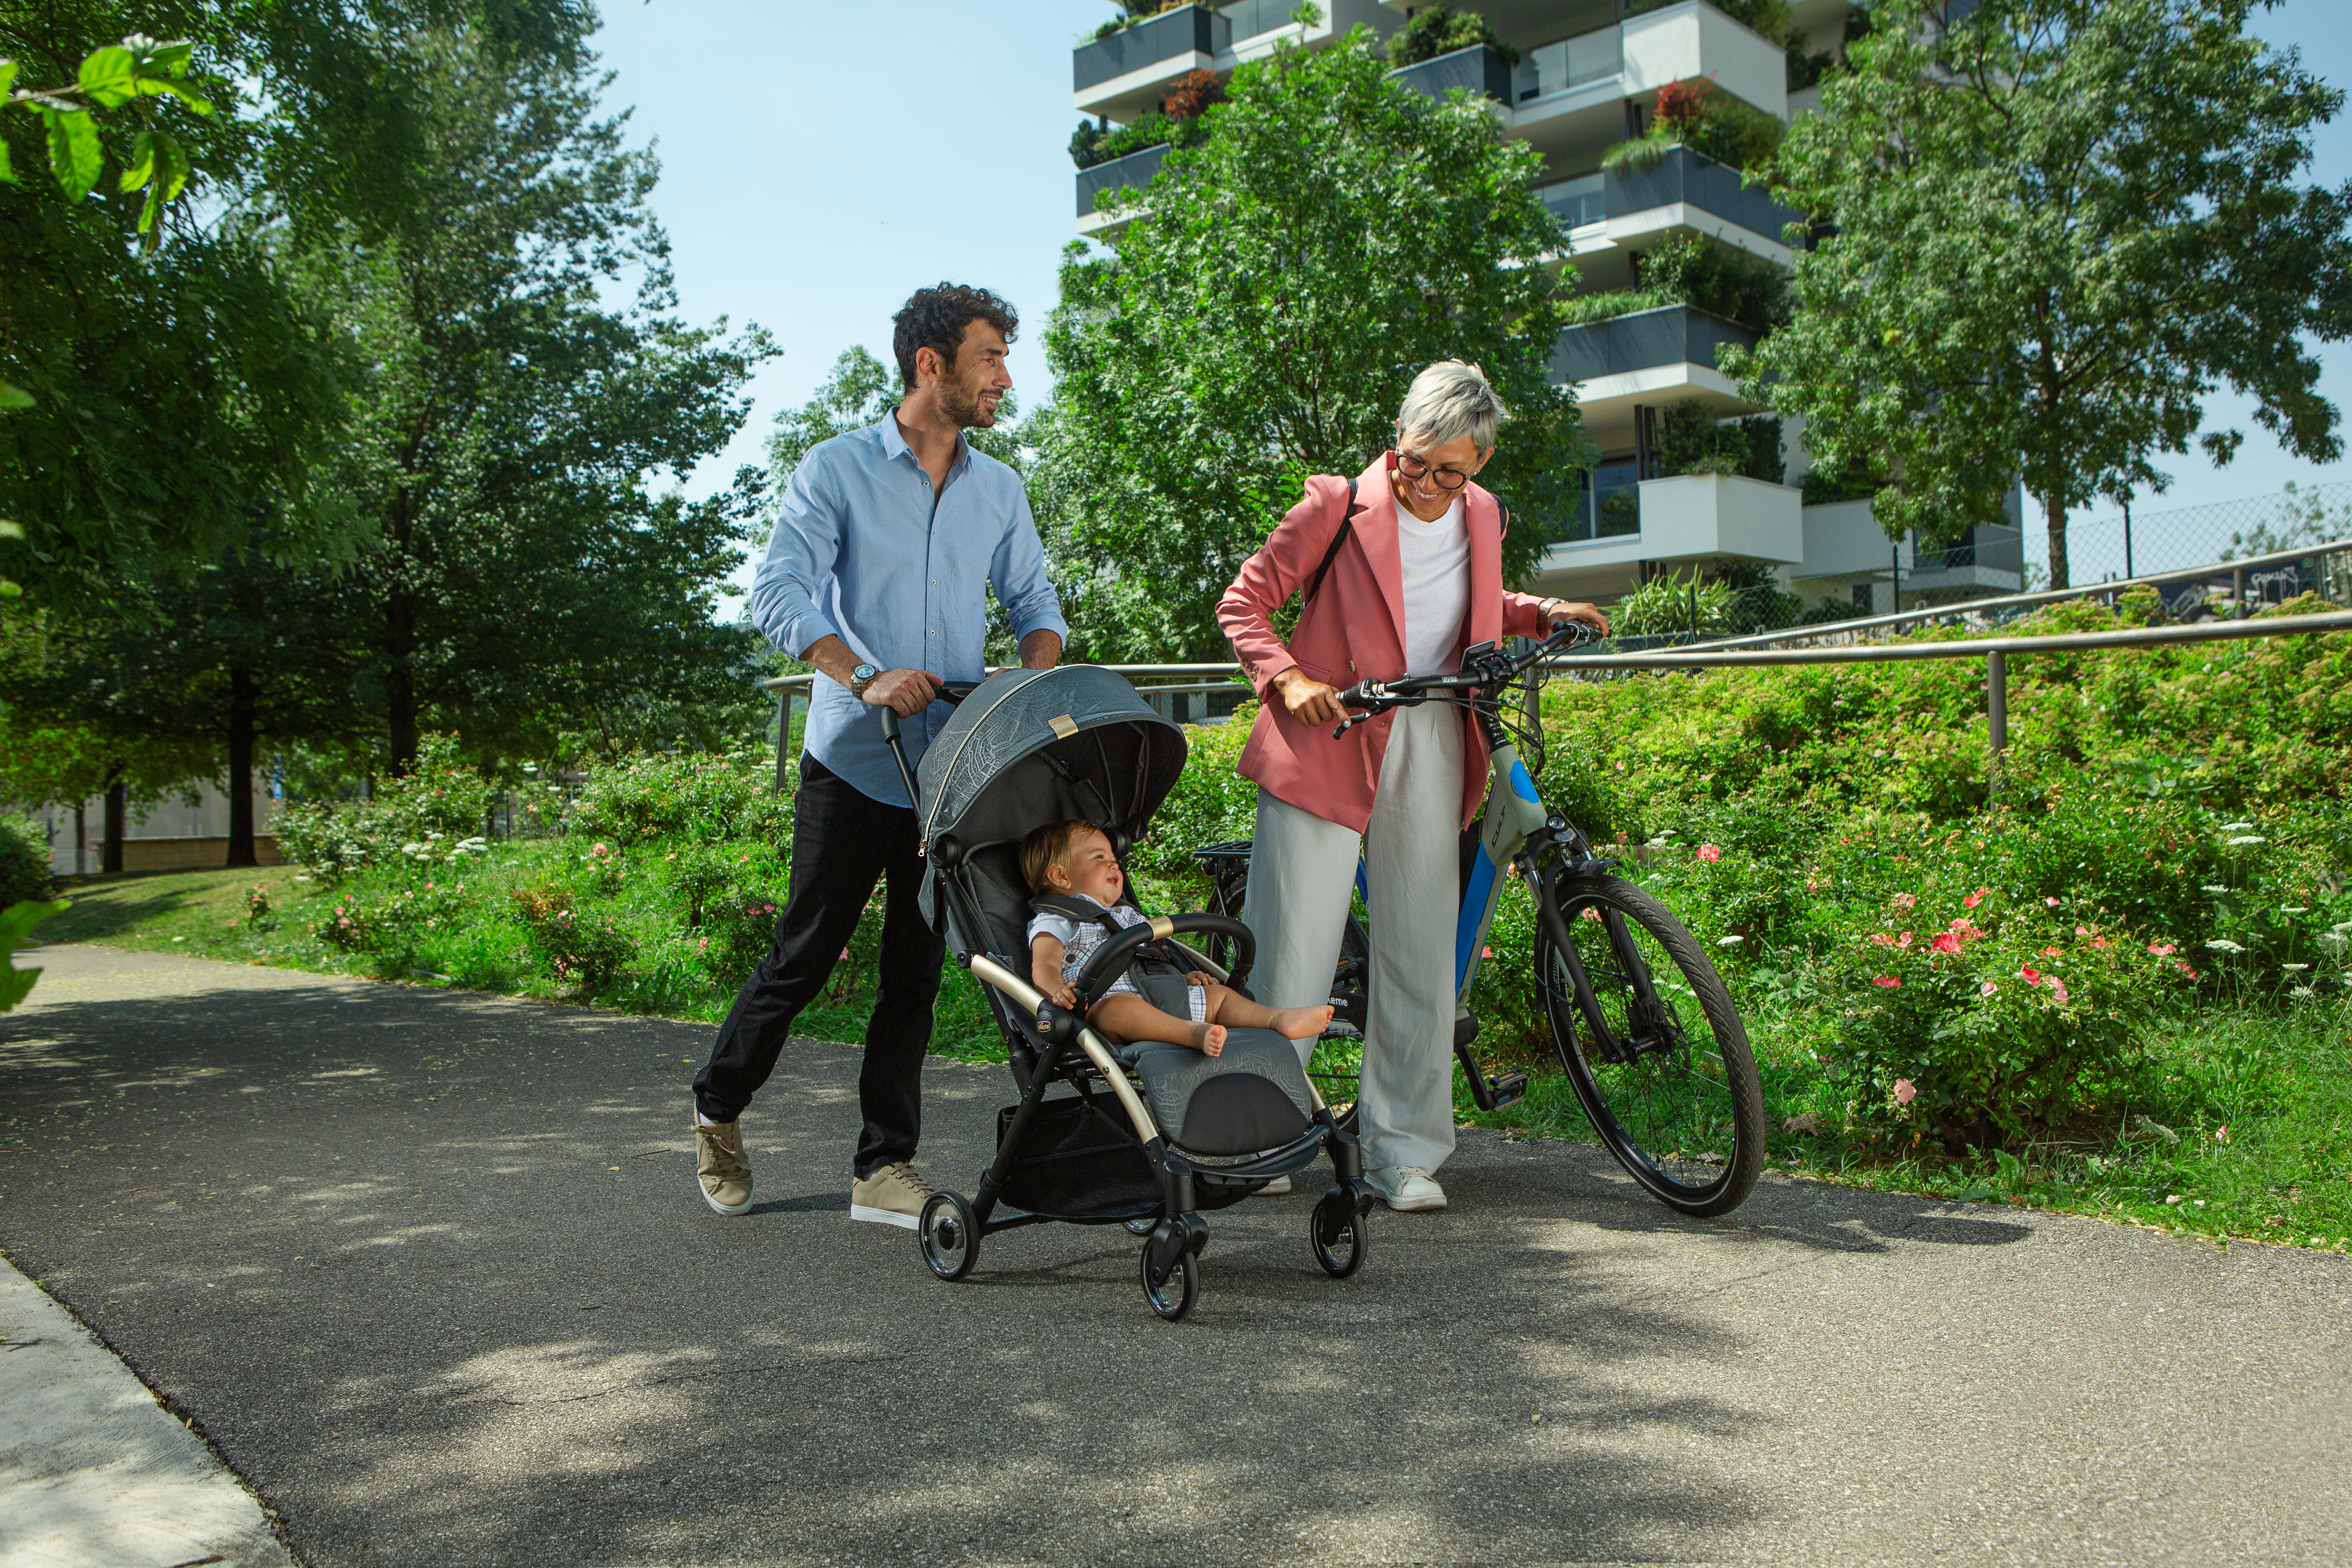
x: 2023, y: 601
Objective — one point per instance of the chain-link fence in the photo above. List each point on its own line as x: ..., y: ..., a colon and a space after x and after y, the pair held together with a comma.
x: 2141, y: 544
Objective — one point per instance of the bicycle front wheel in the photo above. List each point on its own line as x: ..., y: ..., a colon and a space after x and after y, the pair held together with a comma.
x: 1648, y: 1036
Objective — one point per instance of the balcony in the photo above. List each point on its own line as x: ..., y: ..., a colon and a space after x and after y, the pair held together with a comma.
x: 1690, y: 518
x: 1158, y: 51
x: 1578, y: 202
x: 1569, y: 63
x: 1568, y: 97
x: 1477, y: 70
x: 1133, y: 172
x: 1686, y: 184
x: 1844, y: 542
x: 1661, y: 355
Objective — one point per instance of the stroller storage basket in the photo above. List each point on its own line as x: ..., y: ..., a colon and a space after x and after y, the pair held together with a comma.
x: 1077, y: 1161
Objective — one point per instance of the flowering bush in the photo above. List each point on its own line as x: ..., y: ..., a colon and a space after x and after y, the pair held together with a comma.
x: 432, y: 817
x: 701, y: 799
x: 1988, y: 1028
x: 589, y: 952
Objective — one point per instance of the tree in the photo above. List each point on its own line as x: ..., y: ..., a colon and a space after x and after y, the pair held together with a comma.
x: 2059, y: 226
x: 164, y: 376
x: 521, y: 584
x: 1258, y: 322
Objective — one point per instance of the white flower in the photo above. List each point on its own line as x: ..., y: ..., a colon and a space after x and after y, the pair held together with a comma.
x: 2295, y: 968
x: 2247, y: 838
x: 2214, y: 888
x: 2235, y: 826
x: 2221, y: 945
x: 1729, y: 940
x: 2302, y: 991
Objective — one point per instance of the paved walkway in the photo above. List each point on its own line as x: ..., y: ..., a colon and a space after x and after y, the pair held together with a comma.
x: 430, y: 1270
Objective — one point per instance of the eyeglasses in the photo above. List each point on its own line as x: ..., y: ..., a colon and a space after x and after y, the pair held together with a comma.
x: 1413, y: 467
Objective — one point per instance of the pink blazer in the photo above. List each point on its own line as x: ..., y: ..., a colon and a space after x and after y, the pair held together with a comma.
x: 1354, y: 630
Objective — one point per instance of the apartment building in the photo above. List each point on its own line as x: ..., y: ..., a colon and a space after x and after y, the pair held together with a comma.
x: 1586, y: 77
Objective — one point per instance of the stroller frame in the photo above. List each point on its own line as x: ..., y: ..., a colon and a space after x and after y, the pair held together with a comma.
x: 1049, y: 1044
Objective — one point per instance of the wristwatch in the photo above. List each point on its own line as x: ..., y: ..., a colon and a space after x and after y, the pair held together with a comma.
x: 861, y: 678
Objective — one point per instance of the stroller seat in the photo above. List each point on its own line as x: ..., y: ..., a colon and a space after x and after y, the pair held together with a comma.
x: 1253, y: 1096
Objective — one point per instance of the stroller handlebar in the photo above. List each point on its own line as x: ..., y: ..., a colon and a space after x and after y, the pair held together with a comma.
x: 1111, y: 959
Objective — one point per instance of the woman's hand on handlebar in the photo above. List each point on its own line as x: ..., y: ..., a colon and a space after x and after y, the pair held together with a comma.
x: 1566, y: 610
x: 1309, y: 701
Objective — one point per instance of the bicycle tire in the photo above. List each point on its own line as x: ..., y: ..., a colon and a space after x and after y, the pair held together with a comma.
x: 1681, y: 1107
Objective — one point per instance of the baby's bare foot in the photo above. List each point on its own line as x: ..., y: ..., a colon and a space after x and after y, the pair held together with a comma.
x: 1209, y: 1039
x: 1302, y: 1023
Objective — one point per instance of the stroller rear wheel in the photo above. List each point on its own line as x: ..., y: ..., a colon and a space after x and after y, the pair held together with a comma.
x: 948, y: 1235
x: 1172, y: 1294
x: 1335, y: 1231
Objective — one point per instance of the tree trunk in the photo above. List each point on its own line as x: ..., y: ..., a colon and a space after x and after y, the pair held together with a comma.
x: 240, y: 767
x: 400, y: 643
x: 81, y: 839
x: 2054, y: 513
x: 117, y: 808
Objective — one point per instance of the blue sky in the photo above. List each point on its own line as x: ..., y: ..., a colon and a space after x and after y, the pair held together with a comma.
x: 820, y: 161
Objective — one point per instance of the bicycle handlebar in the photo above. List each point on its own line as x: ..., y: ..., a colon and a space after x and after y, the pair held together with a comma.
x: 1487, y: 673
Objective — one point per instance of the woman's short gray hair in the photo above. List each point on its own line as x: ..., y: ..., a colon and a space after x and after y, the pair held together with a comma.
x: 1449, y: 400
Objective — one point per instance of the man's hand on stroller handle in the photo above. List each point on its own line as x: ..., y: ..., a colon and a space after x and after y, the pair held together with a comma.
x: 908, y: 692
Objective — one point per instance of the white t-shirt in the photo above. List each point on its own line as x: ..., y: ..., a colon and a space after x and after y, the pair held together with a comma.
x: 1079, y: 939
x: 1436, y: 560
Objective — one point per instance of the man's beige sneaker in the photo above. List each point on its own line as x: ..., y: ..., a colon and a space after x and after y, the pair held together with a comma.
x: 719, y: 1165
x: 891, y: 1196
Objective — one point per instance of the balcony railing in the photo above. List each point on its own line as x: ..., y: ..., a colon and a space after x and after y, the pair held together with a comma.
x: 1195, y: 29
x: 1247, y: 20
x: 1477, y: 69
x: 1571, y: 62
x: 1699, y: 181
x: 1135, y: 170
x: 1575, y: 202
x: 1645, y: 340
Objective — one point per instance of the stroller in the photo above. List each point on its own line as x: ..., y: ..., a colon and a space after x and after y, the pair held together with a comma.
x: 1148, y: 1135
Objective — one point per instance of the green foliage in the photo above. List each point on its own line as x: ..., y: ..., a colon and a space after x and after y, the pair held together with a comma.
x: 1699, y: 273
x: 23, y: 861
x: 17, y: 923
x: 1440, y: 30
x: 1769, y: 18
x: 2059, y: 224
x: 699, y: 799
x: 1090, y: 146
x: 1259, y: 320
x: 433, y: 816
x: 585, y: 951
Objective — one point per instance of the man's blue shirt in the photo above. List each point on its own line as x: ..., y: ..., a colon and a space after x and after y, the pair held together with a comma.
x: 861, y: 552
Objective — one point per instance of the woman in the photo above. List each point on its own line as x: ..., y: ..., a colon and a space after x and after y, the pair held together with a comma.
x: 1416, y: 578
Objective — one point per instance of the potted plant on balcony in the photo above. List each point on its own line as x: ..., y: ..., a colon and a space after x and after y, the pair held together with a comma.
x: 1441, y: 30
x: 1713, y: 124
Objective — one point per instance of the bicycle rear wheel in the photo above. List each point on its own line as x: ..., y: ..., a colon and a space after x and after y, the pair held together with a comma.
x: 1651, y: 1042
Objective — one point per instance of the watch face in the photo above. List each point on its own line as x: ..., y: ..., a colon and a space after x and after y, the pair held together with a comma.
x: 864, y: 672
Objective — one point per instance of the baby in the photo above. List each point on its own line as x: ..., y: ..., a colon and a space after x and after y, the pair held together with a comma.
x: 1075, y: 859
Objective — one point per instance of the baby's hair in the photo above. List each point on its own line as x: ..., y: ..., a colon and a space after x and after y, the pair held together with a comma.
x: 1044, y: 849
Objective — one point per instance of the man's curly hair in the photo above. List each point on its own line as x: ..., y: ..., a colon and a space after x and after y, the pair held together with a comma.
x: 935, y: 319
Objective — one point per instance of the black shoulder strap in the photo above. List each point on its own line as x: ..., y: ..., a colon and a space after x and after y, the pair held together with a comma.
x: 1339, y: 537
x: 1071, y: 907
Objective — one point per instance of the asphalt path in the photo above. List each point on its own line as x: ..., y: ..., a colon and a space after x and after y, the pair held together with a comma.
x: 430, y: 1270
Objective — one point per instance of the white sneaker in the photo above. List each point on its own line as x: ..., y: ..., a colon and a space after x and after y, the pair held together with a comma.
x: 1408, y: 1189
x: 895, y: 1195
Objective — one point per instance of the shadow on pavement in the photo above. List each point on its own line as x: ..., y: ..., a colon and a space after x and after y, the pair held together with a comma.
x: 430, y: 1268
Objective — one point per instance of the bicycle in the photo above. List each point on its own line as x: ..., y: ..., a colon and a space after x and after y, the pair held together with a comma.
x: 1654, y: 1050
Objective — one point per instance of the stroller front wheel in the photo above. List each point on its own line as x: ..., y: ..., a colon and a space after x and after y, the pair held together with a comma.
x: 948, y: 1235
x: 1172, y: 1295
x: 1335, y: 1231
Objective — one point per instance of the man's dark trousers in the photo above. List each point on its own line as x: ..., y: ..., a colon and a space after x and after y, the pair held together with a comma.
x: 844, y: 840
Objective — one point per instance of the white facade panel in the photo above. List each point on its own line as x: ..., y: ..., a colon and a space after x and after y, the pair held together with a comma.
x: 1694, y: 41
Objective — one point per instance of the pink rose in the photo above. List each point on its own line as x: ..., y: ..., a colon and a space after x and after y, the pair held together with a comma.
x: 1947, y: 943
x: 2051, y: 902
x: 2030, y: 974
x: 2058, y: 989
x: 1973, y: 900
x: 2162, y: 949
x: 1710, y: 853
x: 2050, y: 952
x: 1905, y: 1091
x: 1904, y: 901
x: 1987, y: 989
x: 1889, y: 982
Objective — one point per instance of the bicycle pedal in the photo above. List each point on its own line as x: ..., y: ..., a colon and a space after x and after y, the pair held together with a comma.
x: 1508, y: 1088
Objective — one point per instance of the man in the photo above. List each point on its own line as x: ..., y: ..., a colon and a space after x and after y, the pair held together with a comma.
x: 884, y: 542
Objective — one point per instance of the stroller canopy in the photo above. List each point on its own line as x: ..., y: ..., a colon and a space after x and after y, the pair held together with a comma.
x: 1035, y: 746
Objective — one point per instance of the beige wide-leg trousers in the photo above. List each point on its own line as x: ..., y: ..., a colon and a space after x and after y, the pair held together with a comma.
x: 1302, y: 871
